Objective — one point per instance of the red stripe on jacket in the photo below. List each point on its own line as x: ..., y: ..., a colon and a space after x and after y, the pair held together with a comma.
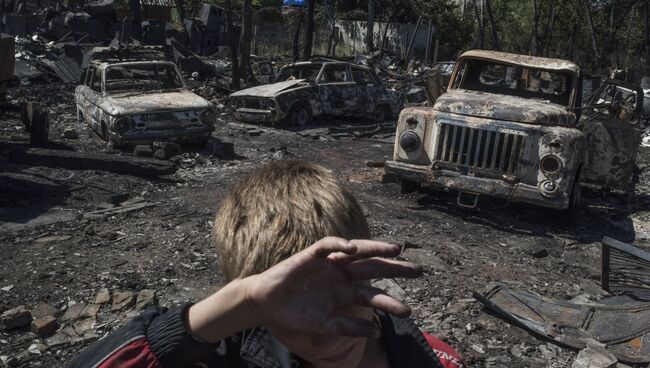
x: 446, y: 354
x: 135, y: 354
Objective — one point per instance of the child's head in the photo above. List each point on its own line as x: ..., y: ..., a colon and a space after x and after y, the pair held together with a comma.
x: 279, y: 210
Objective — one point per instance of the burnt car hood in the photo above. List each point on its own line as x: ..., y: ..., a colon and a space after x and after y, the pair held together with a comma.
x: 503, y: 107
x: 155, y: 102
x: 268, y: 90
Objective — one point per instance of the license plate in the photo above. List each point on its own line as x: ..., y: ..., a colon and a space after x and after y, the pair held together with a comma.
x: 251, y: 117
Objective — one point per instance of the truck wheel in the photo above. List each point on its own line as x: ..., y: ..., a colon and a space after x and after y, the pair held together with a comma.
x: 300, y: 115
x: 408, y: 186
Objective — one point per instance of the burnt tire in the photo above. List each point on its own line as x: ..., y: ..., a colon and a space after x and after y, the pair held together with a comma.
x: 300, y: 115
x: 408, y: 186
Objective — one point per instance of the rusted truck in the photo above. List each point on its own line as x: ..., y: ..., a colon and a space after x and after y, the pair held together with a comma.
x: 135, y: 96
x: 512, y: 127
x: 305, y: 90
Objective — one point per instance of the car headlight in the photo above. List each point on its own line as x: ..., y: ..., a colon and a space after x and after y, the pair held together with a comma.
x: 409, y: 141
x: 208, y: 117
x: 238, y: 103
x: 550, y: 164
x: 122, y: 125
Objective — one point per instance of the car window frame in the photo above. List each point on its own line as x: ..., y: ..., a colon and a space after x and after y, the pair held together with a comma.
x: 321, y: 75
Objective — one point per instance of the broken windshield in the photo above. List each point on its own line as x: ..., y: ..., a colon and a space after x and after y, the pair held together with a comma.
x: 141, y: 78
x: 492, y: 77
x: 308, y: 72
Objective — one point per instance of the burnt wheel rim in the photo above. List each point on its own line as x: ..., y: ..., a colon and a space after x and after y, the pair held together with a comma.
x: 303, y: 117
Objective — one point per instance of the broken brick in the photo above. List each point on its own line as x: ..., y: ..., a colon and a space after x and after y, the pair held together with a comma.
x: 15, y: 318
x: 45, y: 326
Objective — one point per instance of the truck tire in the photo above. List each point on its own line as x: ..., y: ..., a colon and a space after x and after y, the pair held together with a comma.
x: 408, y: 186
x: 300, y: 115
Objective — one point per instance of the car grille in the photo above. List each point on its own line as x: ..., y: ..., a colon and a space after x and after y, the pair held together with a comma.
x: 492, y: 150
x: 250, y: 103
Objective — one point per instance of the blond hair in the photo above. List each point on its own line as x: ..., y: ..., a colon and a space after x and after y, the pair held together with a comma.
x: 279, y: 210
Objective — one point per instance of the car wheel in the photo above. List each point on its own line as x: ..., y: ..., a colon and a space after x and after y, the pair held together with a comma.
x: 408, y: 186
x: 301, y: 115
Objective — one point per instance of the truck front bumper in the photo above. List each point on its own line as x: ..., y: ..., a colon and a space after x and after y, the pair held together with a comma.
x: 258, y: 116
x: 517, y: 192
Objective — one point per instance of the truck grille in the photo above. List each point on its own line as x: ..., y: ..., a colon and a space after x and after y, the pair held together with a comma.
x: 479, y: 148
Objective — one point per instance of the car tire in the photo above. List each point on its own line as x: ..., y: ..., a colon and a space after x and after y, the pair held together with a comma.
x: 408, y: 186
x: 300, y: 115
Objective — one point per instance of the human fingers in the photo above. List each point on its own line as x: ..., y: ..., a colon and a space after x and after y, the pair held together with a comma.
x: 350, y: 326
x: 367, y: 249
x: 330, y: 244
x: 368, y: 296
x: 379, y: 268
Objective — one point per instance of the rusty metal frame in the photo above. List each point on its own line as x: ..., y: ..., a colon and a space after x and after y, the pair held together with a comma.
x: 636, y: 257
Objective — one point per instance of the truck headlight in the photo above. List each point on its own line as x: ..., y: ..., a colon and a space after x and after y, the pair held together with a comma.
x: 409, y: 141
x: 550, y: 164
x: 208, y: 117
x: 122, y: 125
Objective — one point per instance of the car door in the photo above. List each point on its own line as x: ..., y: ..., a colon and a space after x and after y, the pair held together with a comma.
x: 611, y: 125
x: 370, y: 92
x: 337, y: 91
x: 89, y: 98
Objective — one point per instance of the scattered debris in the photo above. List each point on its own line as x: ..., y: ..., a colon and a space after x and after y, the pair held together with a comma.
x: 622, y: 327
x: 625, y: 269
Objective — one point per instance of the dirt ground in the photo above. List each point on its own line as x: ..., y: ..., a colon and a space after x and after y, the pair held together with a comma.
x: 50, y: 252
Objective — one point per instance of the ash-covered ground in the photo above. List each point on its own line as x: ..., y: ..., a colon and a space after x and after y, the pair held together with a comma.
x: 97, y: 271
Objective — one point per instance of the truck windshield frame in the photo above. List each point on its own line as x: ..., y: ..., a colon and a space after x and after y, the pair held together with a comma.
x: 515, y: 80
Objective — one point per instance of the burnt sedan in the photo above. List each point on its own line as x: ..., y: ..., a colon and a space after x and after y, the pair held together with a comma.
x: 139, y: 102
x: 305, y: 90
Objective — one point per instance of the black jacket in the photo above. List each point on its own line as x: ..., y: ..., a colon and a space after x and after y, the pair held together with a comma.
x: 159, y: 338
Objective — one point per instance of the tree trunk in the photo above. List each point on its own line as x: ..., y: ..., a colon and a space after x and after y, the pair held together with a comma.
x: 594, y: 43
x: 550, y: 27
x: 330, y: 11
x: 296, y: 38
x: 370, y: 26
x: 309, y: 32
x: 495, y: 34
x: 246, y: 38
x: 233, y: 46
x: 647, y: 30
x: 536, y: 15
x: 481, y: 28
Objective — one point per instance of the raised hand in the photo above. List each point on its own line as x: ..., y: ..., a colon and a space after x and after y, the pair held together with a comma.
x: 304, y: 292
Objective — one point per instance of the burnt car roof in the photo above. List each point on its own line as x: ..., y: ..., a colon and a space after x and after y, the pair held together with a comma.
x: 105, y: 64
x: 322, y: 62
x: 124, y: 54
x: 523, y: 60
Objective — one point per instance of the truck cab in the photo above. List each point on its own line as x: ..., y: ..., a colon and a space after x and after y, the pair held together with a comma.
x: 512, y: 126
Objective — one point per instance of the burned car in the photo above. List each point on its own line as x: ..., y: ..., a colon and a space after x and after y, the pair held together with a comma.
x: 127, y: 101
x: 512, y: 126
x: 305, y: 90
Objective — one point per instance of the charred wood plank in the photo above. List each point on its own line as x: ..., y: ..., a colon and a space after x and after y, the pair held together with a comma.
x: 73, y: 160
